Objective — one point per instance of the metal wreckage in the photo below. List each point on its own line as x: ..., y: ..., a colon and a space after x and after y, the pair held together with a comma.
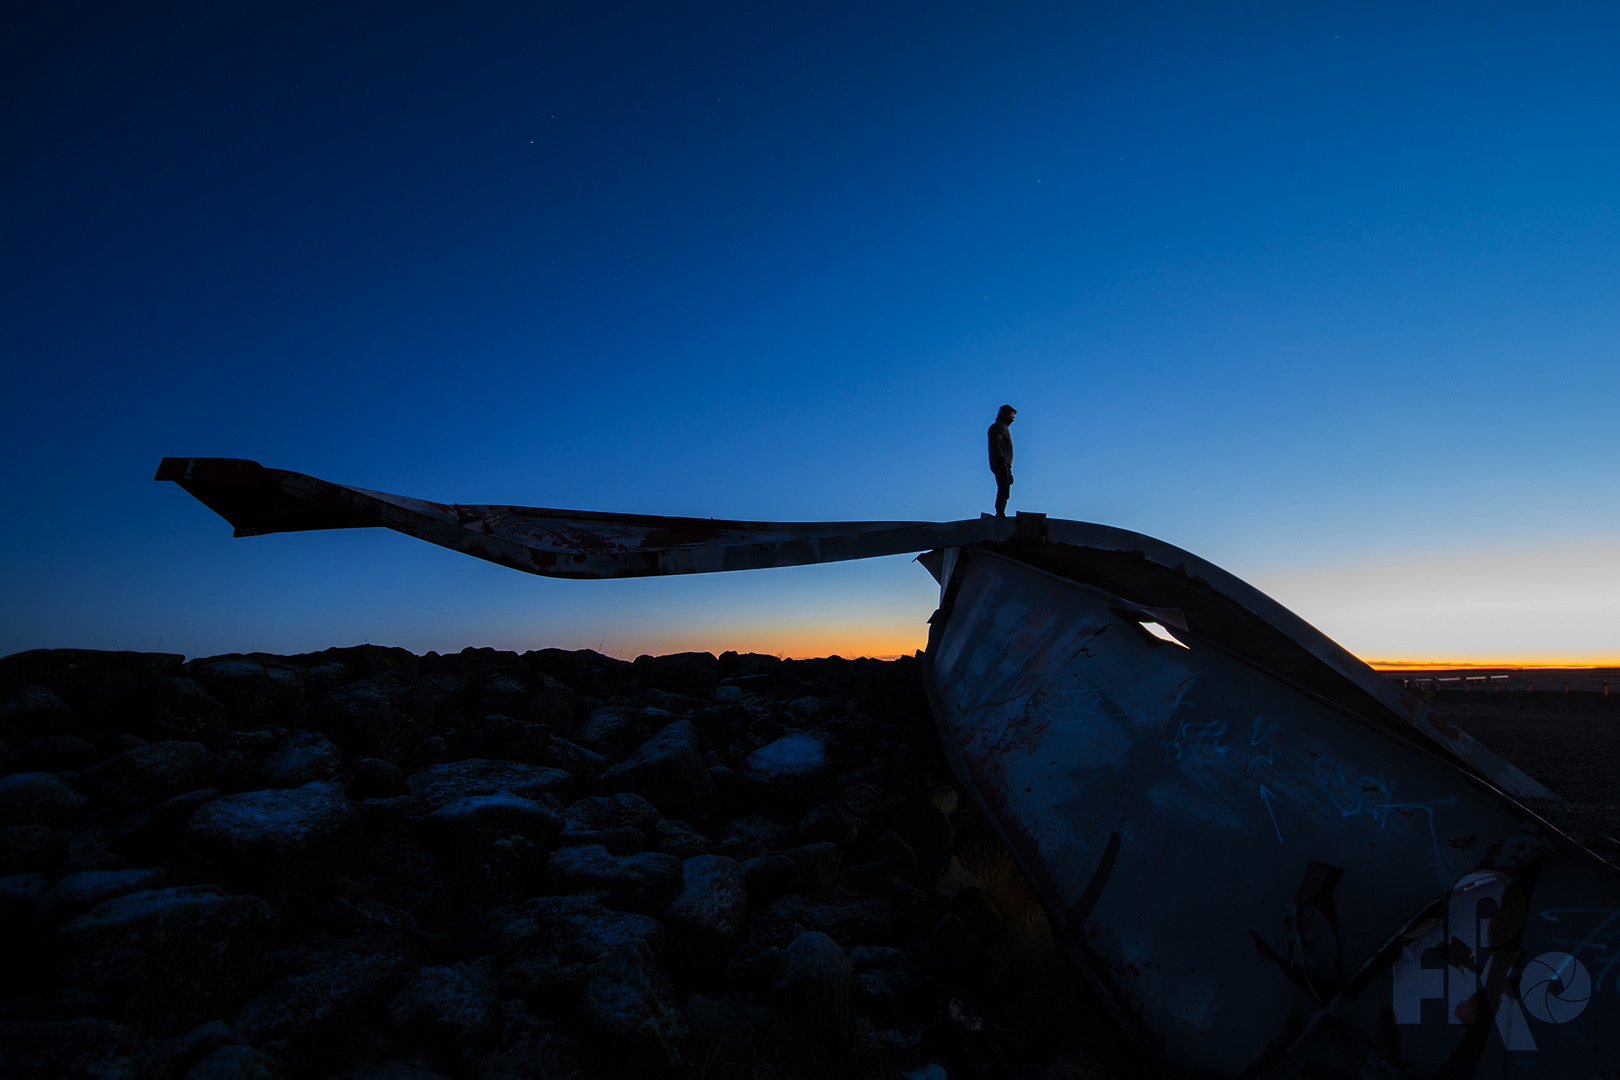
x: 1269, y: 860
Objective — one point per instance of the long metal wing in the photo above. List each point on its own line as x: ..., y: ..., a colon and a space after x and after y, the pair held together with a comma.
x: 1161, y: 579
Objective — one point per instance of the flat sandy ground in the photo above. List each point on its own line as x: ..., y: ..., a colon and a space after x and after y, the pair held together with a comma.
x: 1569, y: 742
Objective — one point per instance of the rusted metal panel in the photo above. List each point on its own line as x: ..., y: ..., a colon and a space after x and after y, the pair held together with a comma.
x: 1260, y: 882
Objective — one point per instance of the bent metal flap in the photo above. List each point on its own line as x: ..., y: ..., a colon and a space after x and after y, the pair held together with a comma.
x: 1259, y: 882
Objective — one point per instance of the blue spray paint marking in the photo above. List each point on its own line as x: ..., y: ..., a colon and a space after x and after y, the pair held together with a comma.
x: 1265, y: 797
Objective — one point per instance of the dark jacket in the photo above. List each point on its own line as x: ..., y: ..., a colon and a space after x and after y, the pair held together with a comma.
x: 1001, y: 451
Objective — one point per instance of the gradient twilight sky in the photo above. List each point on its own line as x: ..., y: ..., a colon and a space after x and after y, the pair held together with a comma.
x: 1328, y: 294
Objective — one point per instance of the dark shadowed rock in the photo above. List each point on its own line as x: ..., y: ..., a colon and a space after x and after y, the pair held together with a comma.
x: 304, y: 756
x: 32, y: 711
x: 537, y: 1046
x: 345, y: 916
x: 712, y: 903
x: 732, y: 1020
x: 813, y: 969
x: 396, y: 815
x: 257, y: 691
x: 152, y: 831
x: 613, y: 811
x: 668, y: 771
x: 752, y: 967
x: 827, y: 822
x: 547, y: 948
x: 751, y: 835
x: 644, y: 882
x: 326, y: 992
x: 39, y: 799
x: 691, y: 674
x: 53, y: 753
x: 551, y: 704
x: 234, y: 1063
x: 630, y: 1002
x: 331, y: 668
x: 147, y: 775
x: 849, y: 919
x: 80, y: 1050
x: 679, y: 839
x: 76, y: 894
x: 823, y: 865
x: 586, y: 765
x: 475, y: 823
x: 796, y: 766
x: 868, y: 795
x: 192, y: 1046
x: 273, y: 836
x: 769, y: 876
x: 384, y: 716
x: 26, y: 849
x: 924, y: 827
x: 615, y: 730
x: 952, y: 948
x: 447, y: 1008
x: 183, y: 709
x: 442, y: 784
x: 618, y: 839
x: 500, y: 692
x: 105, y: 689
x: 374, y: 778
x: 168, y: 958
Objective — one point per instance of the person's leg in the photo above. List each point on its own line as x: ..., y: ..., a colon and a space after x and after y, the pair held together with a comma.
x: 1003, y: 489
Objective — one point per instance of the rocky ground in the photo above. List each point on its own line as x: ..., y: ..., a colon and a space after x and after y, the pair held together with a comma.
x: 367, y: 863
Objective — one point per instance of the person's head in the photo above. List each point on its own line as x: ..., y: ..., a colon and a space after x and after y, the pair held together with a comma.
x: 1007, y: 415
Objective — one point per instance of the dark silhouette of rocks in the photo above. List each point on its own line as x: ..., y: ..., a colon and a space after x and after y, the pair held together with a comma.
x: 493, y: 866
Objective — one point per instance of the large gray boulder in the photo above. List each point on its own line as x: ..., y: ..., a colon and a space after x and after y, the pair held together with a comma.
x: 325, y: 992
x: 813, y: 969
x: 147, y: 775
x: 39, y: 799
x: 183, y: 709
x: 447, y: 1008
x: 798, y: 767
x: 668, y: 771
x: 630, y: 1002
x: 257, y: 691
x: 273, y: 836
x: 383, y: 716
x: 303, y: 756
x: 644, y: 882
x: 712, y: 904
x: 547, y: 949
x: 167, y: 958
x: 76, y: 894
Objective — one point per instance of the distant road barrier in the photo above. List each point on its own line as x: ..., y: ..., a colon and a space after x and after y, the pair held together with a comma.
x: 1518, y: 680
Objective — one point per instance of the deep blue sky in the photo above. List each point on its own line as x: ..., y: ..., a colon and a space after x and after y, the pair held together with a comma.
x: 1325, y: 293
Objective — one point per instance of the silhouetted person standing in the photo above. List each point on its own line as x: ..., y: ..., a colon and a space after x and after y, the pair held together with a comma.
x: 1001, y: 454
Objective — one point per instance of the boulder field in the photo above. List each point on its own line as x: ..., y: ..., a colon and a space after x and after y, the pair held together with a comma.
x: 381, y: 866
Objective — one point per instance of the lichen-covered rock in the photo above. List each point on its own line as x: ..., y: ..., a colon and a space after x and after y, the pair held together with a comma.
x: 441, y: 784
x: 383, y: 716
x: 304, y: 756
x: 546, y: 949
x: 167, y: 958
x: 797, y: 766
x: 447, y: 1008
x: 257, y: 691
x: 752, y: 835
x: 643, y: 882
x: 586, y: 766
x: 147, y: 775
x: 712, y: 903
x: 39, y: 799
x: 679, y: 839
x: 475, y: 823
x: 615, y: 730
x: 273, y: 836
x: 326, y: 991
x: 613, y: 811
x: 668, y: 771
x: 76, y: 894
x: 630, y: 1002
